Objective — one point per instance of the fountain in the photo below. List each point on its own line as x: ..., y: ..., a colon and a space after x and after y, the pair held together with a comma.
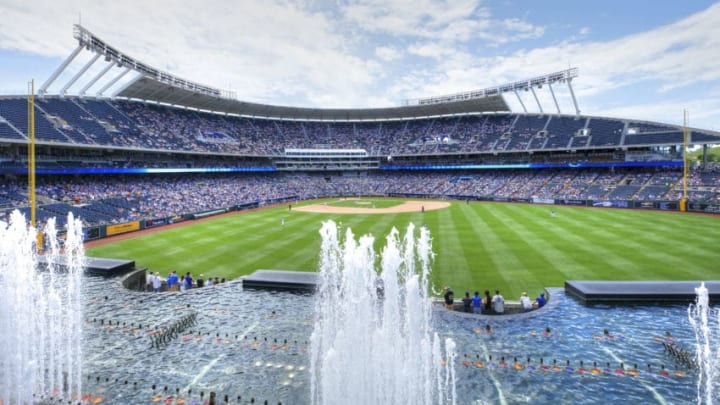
x: 369, y: 335
x: 706, y: 324
x: 41, y: 315
x: 372, y: 341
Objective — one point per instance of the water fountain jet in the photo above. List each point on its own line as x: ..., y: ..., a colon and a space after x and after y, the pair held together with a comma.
x: 373, y: 340
x: 706, y: 323
x: 40, y: 312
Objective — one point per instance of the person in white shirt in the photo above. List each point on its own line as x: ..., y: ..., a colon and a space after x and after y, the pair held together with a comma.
x: 157, y: 282
x: 149, y: 281
x: 498, y: 303
x: 526, y: 303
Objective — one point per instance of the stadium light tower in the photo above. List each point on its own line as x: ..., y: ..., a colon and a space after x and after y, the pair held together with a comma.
x: 123, y: 63
x: 563, y: 76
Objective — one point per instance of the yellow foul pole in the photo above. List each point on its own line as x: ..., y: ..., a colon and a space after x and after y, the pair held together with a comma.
x: 31, y: 154
x: 686, y: 135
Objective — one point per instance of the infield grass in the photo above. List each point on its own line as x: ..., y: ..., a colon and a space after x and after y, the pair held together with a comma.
x: 478, y: 246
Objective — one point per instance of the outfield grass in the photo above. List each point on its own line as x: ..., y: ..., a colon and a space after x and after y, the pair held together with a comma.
x: 512, y: 247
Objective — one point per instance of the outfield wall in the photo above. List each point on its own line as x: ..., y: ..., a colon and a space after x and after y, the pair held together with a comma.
x: 105, y: 231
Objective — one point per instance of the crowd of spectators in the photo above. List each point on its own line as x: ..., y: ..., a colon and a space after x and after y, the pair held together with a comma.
x: 127, y: 124
x: 115, y: 199
x: 491, y: 305
x: 178, y: 283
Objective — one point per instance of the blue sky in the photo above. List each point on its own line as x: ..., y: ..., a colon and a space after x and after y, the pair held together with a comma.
x: 639, y: 59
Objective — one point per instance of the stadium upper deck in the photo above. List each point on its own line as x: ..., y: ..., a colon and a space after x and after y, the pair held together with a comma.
x: 102, y: 124
x: 137, y: 117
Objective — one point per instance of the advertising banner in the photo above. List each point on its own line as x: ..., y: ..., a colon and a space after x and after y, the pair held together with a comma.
x: 610, y: 204
x: 122, y: 228
x: 536, y: 200
x: 571, y: 202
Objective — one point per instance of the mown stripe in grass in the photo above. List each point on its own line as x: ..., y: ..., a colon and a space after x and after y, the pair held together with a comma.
x: 519, y: 247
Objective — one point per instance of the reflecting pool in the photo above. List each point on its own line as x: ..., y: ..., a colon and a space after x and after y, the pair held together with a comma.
x: 243, y: 346
x: 254, y: 345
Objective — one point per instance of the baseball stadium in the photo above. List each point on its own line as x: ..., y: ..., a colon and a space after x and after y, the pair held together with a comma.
x: 172, y: 176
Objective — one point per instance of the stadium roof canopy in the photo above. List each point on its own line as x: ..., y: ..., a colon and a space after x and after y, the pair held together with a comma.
x: 153, y: 85
x: 148, y: 88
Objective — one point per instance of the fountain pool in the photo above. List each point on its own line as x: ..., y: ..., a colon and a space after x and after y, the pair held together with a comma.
x: 254, y: 346
x: 241, y: 349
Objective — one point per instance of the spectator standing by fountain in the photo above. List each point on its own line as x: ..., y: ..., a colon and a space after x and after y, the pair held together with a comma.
x: 487, y: 302
x: 477, y: 303
x: 200, y: 281
x: 188, y: 281
x: 157, y: 282
x: 498, y: 303
x: 449, y: 298
x: 467, y: 302
x: 172, y: 281
x: 526, y: 303
x: 149, y: 281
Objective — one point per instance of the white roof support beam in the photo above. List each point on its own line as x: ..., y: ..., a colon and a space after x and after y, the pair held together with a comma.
x: 79, y: 74
x: 59, y: 70
x: 572, y: 93
x: 520, y: 100
x: 95, y: 79
x: 113, y: 81
x: 557, y: 106
x: 494, y: 91
x: 537, y: 100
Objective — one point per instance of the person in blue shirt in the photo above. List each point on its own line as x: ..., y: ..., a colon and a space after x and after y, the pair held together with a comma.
x: 172, y: 281
x: 541, y: 301
x: 188, y: 281
x: 477, y: 303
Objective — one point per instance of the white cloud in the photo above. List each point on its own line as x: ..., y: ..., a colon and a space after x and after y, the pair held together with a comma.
x: 372, y: 52
x: 407, y: 17
x: 264, y: 50
x: 447, y: 20
x: 388, y: 53
x: 435, y: 50
x: 675, y: 55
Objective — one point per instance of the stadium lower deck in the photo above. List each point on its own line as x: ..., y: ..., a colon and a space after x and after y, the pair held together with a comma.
x: 99, y: 200
x: 111, y: 161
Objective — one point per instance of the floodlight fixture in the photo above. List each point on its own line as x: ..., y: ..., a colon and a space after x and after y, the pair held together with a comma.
x: 527, y: 85
x: 89, y: 41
